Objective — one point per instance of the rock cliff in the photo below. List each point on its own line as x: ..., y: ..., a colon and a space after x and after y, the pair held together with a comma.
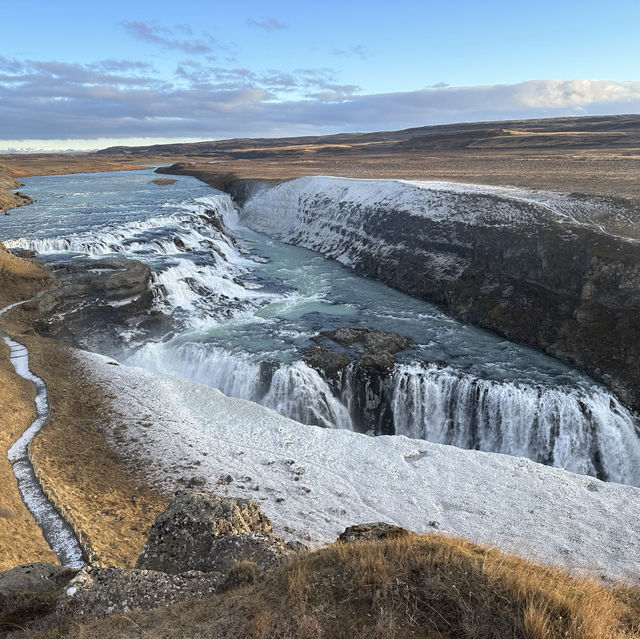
x: 557, y: 272
x: 358, y: 365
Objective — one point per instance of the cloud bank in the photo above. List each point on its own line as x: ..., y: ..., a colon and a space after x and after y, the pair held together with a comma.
x: 121, y: 98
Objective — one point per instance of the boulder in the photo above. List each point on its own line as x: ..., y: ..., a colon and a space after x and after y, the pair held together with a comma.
x: 20, y: 252
x: 204, y: 532
x: 98, y: 304
x: 37, y: 577
x: 98, y: 592
x: 369, y: 339
x: 361, y: 360
x: 372, y: 531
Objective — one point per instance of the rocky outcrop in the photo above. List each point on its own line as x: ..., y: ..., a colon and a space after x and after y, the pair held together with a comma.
x: 98, y: 592
x: 557, y: 272
x: 372, y: 532
x: 359, y: 362
x: 99, y: 304
x: 200, y: 544
x: 201, y: 531
x: 38, y: 577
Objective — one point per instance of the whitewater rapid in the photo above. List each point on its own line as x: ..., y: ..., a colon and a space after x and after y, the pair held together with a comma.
x: 245, y: 305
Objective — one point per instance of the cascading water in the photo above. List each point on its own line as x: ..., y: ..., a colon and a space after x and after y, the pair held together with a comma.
x: 246, y: 305
x: 585, y: 432
x: 292, y: 389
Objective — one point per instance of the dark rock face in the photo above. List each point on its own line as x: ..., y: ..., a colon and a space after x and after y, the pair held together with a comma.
x: 23, y: 253
x: 562, y: 277
x: 204, y: 532
x: 372, y: 532
x: 200, y: 544
x: 98, y: 592
x: 97, y: 303
x: 359, y: 362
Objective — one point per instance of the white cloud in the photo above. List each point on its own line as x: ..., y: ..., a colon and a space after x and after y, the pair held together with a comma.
x: 53, y: 100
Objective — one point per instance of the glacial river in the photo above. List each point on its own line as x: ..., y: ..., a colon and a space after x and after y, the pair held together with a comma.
x: 245, y: 303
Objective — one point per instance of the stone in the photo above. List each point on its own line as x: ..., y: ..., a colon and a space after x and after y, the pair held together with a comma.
x: 204, y: 532
x: 362, y: 359
x: 35, y: 577
x: 369, y: 339
x: 98, y: 592
x: 23, y: 253
x: 96, y: 303
x: 373, y: 531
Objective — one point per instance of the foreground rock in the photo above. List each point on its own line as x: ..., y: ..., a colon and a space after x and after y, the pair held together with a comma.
x: 201, y: 531
x: 558, y: 272
x: 199, y: 544
x: 360, y: 361
x: 37, y: 577
x: 98, y: 592
x: 372, y: 532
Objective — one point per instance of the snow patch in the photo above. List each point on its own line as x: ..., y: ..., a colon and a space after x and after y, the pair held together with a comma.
x: 313, y: 482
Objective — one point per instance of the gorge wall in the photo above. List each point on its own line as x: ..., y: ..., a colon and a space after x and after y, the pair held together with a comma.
x: 557, y: 272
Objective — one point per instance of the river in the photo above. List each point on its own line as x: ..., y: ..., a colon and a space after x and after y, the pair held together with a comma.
x: 246, y: 305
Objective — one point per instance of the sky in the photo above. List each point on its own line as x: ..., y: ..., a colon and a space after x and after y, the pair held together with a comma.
x: 82, y: 75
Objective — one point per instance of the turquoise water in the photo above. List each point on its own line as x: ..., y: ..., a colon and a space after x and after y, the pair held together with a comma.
x: 245, y: 305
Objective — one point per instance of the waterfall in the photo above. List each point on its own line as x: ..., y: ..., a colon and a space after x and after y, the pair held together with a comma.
x: 194, y: 260
x: 292, y: 389
x: 241, y: 326
x: 585, y: 432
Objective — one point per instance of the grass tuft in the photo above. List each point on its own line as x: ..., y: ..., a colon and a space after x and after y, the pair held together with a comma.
x: 416, y: 586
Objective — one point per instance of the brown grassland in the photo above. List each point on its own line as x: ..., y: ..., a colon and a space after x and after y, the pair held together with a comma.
x: 21, y: 540
x: 409, y: 587
x: 415, y: 586
x: 100, y: 495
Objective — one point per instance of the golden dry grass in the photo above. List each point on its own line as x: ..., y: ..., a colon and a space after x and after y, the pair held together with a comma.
x: 19, y: 279
x: 106, y: 502
x: 102, y: 497
x: 415, y: 586
x: 21, y: 540
x: 596, y: 172
x: 8, y: 183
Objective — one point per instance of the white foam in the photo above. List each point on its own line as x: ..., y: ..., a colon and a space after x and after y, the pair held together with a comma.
x: 167, y: 243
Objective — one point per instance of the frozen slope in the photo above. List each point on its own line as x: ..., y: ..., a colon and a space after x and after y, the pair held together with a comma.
x: 313, y: 482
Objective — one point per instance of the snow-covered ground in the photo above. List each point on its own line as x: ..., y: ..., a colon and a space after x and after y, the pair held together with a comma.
x: 286, y: 209
x: 313, y: 482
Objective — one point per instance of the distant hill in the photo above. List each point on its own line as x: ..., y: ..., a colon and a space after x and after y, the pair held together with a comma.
x: 619, y: 131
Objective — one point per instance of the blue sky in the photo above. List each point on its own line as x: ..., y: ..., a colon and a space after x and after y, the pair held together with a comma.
x: 78, y: 74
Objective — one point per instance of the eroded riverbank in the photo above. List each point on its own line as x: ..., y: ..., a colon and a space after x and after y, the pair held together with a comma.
x: 100, y: 492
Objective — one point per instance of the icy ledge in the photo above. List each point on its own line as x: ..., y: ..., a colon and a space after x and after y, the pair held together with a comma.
x: 313, y: 482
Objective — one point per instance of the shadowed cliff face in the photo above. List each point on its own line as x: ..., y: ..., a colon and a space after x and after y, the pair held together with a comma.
x: 545, y: 274
x: 100, y: 305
